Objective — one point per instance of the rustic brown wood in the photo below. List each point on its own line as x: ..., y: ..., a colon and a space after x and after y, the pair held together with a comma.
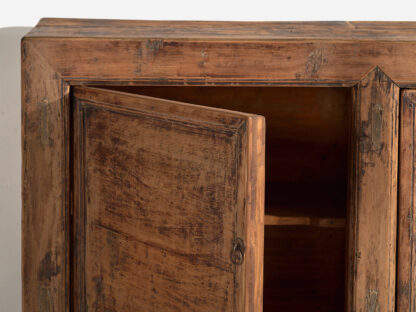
x: 406, y: 281
x: 57, y: 27
x: 373, y: 196
x: 45, y: 186
x: 212, y: 62
x: 199, y: 62
x: 306, y: 141
x: 307, y: 133
x: 254, y: 263
x: 194, y: 52
x: 161, y: 196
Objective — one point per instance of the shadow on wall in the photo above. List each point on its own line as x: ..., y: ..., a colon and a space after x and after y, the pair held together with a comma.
x: 10, y: 171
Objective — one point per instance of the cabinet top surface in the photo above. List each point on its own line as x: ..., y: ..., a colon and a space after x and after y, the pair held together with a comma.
x: 206, y: 30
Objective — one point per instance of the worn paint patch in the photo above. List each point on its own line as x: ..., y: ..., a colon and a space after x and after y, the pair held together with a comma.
x: 48, y: 268
x: 371, y: 301
x: 371, y: 133
x: 371, y: 130
x: 365, y: 165
x: 365, y: 138
x: 376, y: 127
x: 153, y: 46
x: 316, y: 60
x: 403, y: 289
x: 45, y: 300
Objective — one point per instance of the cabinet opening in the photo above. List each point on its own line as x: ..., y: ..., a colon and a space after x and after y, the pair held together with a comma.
x: 307, y: 161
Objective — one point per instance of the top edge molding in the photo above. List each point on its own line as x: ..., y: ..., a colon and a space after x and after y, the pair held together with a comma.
x: 210, y: 30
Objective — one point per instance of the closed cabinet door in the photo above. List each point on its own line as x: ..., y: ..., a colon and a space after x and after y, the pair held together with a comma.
x: 406, y: 277
x: 167, y: 210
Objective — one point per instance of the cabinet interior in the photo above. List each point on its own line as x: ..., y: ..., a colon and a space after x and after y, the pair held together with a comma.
x: 307, y: 156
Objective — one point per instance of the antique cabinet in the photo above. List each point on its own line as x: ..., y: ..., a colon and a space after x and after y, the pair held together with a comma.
x: 218, y: 166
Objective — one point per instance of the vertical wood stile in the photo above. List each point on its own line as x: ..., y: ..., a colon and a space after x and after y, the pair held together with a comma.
x: 406, y: 281
x: 373, y: 195
x: 45, y: 185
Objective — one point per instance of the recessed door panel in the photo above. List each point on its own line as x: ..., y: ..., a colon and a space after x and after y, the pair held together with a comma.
x: 168, y: 199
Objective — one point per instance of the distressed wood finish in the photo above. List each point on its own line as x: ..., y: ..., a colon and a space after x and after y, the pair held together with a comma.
x: 406, y: 280
x: 218, y: 62
x: 217, y: 53
x: 59, y: 54
x: 388, y: 31
x: 373, y: 207
x: 307, y: 141
x: 45, y: 186
x: 163, y: 191
x: 307, y: 138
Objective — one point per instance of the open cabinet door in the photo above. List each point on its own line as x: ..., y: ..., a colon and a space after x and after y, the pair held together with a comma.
x: 168, y: 205
x: 373, y: 195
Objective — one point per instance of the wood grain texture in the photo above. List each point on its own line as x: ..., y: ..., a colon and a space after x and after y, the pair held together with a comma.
x: 307, y: 143
x: 307, y: 132
x: 45, y: 191
x: 394, y: 31
x: 254, y: 264
x: 373, y: 195
x: 406, y: 279
x: 165, y: 188
x: 221, y: 62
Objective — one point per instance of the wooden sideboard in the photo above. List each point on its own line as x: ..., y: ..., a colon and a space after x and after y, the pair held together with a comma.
x: 218, y: 166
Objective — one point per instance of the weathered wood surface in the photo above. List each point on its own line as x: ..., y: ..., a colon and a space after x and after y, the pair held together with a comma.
x: 307, y: 137
x: 220, y: 52
x: 221, y: 62
x: 373, y: 195
x: 45, y: 186
x: 394, y: 31
x: 307, y: 142
x: 406, y: 262
x: 164, y: 190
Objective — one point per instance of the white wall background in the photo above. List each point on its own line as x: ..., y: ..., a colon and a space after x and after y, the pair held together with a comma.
x: 27, y: 13
x: 10, y: 160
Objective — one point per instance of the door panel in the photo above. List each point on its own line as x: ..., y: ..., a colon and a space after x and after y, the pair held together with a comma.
x: 406, y: 262
x: 373, y: 195
x: 168, y: 205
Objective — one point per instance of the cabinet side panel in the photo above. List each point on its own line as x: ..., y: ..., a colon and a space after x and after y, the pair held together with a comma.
x: 373, y: 209
x: 44, y: 186
x: 406, y: 215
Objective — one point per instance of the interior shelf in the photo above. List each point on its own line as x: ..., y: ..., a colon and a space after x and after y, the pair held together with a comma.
x: 315, y: 204
x: 307, y: 221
